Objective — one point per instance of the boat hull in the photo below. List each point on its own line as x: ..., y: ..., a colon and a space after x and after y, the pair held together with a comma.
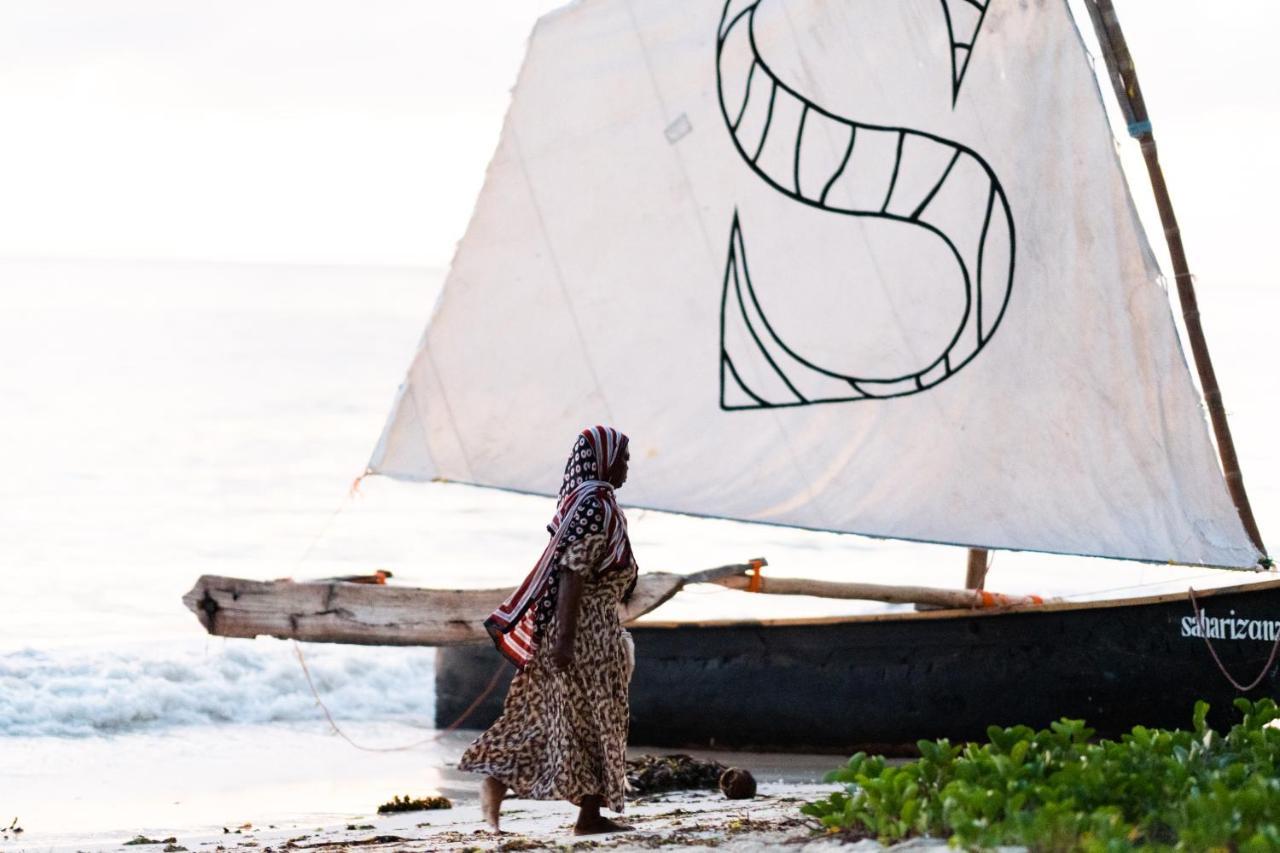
x: 881, y: 682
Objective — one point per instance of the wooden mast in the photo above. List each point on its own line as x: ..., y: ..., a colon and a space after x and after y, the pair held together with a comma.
x: 1124, y: 78
x: 975, y: 575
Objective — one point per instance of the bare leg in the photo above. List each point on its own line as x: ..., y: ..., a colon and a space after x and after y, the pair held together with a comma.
x: 491, y: 794
x: 591, y: 822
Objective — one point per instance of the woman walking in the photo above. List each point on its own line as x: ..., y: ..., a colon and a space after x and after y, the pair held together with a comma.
x: 563, y: 730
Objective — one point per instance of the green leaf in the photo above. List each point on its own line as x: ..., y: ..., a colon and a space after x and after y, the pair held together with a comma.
x: 1199, y: 715
x: 1057, y: 790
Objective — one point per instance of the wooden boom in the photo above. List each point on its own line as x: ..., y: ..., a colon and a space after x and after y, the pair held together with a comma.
x: 335, y: 611
x: 949, y: 599
x: 378, y: 615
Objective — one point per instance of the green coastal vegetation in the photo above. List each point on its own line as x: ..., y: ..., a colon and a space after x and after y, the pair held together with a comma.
x: 1058, y: 789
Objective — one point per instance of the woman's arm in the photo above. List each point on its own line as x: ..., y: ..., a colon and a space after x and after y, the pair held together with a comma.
x: 567, y: 604
x: 578, y: 563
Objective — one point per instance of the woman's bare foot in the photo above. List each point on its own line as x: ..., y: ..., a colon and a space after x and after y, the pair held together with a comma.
x: 597, y: 825
x: 591, y: 822
x: 492, y: 793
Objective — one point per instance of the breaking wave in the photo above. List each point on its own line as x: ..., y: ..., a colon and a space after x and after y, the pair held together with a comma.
x: 78, y: 692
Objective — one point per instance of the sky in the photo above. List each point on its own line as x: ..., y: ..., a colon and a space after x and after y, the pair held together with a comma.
x: 282, y: 131
x: 347, y: 132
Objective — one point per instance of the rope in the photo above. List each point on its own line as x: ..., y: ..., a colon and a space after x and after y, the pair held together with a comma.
x: 1076, y: 595
x: 333, y: 724
x: 1275, y: 647
x: 352, y: 493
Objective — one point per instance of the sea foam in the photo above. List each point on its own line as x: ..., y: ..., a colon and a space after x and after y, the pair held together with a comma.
x: 77, y: 692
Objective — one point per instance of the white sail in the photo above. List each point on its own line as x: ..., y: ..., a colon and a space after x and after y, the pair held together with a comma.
x: 858, y: 266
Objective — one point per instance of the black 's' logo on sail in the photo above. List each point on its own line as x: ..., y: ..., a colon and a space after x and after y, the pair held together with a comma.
x: 946, y: 197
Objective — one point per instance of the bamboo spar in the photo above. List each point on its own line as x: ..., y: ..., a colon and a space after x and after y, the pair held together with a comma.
x: 929, y: 597
x: 1124, y: 79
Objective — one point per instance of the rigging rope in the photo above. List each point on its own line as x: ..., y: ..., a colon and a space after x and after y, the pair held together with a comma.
x: 484, y: 694
x: 352, y: 493
x: 1076, y: 595
x: 1275, y: 647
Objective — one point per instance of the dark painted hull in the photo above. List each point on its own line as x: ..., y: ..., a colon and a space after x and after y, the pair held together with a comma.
x: 891, y: 680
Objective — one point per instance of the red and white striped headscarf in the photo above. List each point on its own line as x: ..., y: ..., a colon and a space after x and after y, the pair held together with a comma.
x: 587, y: 506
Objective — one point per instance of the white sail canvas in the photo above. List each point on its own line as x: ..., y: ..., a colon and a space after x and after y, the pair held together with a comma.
x: 860, y: 266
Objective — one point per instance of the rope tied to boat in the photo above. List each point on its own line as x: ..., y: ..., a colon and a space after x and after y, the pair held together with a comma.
x: 333, y: 724
x: 1243, y: 688
x: 756, y: 582
x: 353, y: 492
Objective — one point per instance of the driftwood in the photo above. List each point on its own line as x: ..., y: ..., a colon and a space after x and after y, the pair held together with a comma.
x: 383, y: 615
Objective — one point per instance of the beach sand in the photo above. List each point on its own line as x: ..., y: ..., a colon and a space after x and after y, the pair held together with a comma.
x: 689, y: 820
x: 285, y: 817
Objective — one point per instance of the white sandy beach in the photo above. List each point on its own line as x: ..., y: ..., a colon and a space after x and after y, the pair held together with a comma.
x: 689, y: 820
x: 303, y: 807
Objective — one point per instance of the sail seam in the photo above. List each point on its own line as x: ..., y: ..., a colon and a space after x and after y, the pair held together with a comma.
x: 559, y: 273
x: 696, y: 208
x: 448, y: 412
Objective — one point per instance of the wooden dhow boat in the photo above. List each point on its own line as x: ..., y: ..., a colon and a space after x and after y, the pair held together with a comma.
x: 855, y: 267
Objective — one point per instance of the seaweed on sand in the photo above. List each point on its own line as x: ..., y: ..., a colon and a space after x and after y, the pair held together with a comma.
x: 649, y: 774
x: 142, y: 839
x: 414, y: 804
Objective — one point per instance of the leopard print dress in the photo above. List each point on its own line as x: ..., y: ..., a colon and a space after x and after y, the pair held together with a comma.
x: 563, y: 735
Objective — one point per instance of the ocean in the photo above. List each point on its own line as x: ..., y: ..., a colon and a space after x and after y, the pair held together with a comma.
x: 167, y: 420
